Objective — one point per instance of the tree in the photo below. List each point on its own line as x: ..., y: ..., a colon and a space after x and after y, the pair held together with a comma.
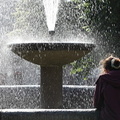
x: 101, y: 20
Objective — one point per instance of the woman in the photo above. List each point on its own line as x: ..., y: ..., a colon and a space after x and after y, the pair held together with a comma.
x: 107, y: 92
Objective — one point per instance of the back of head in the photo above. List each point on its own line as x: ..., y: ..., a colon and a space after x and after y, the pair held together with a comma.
x: 111, y: 63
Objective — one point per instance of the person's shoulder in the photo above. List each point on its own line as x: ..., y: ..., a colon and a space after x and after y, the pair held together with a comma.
x: 103, y: 77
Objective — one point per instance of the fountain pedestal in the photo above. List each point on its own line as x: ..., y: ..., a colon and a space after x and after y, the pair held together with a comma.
x: 51, y: 87
x: 51, y: 57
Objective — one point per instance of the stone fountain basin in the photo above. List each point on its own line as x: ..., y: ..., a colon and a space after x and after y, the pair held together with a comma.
x: 29, y: 97
x: 46, y: 54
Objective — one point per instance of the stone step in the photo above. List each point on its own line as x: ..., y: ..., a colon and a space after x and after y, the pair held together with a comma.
x: 48, y: 114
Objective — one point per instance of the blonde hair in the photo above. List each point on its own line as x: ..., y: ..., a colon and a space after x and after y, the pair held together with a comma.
x: 110, y: 63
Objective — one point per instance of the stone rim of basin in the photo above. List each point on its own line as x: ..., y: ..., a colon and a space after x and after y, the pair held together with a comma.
x: 52, y: 46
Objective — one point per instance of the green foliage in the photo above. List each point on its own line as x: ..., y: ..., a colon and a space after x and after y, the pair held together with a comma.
x: 101, y: 20
x: 83, y: 66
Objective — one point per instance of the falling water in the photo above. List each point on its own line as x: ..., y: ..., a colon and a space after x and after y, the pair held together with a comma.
x: 51, y: 10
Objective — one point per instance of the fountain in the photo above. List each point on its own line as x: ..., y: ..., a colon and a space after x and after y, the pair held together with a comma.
x: 51, y: 57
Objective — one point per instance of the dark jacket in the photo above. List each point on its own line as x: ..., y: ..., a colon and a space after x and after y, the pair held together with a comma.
x: 107, y: 96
